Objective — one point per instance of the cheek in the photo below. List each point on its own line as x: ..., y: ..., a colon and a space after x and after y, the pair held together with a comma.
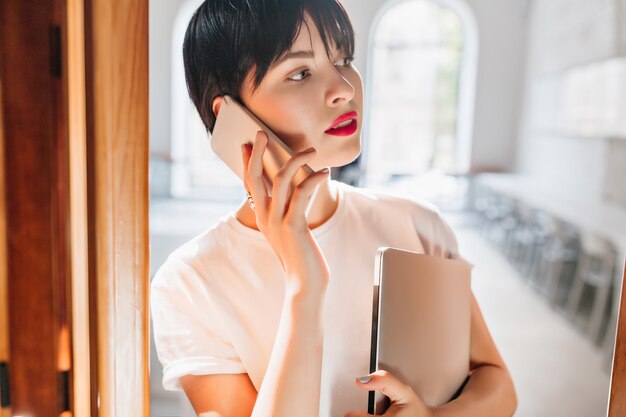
x: 291, y: 113
x: 292, y: 118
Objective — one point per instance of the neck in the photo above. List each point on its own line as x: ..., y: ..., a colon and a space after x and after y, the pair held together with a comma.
x: 322, y: 208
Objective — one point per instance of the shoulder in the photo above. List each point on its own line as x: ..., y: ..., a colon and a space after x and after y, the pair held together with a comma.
x: 434, y: 230
x: 183, y: 268
x: 388, y: 202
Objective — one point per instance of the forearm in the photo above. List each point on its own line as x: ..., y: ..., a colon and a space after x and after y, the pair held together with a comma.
x: 291, y: 386
x: 488, y: 393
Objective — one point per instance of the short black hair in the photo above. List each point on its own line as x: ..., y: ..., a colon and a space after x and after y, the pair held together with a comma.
x: 226, y: 39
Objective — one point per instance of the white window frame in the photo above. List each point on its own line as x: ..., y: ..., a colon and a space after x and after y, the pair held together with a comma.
x: 467, y: 78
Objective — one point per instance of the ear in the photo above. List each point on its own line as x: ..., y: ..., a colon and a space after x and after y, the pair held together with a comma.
x: 215, y: 106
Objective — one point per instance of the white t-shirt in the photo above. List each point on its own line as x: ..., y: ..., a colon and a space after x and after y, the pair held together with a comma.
x: 216, y: 301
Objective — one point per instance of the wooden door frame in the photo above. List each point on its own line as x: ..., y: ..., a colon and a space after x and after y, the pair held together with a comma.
x: 116, y: 44
x: 617, y: 390
x: 34, y: 174
x: 83, y: 357
x: 5, y: 411
x: 75, y: 92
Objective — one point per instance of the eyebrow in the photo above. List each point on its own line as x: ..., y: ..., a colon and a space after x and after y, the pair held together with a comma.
x: 294, y: 54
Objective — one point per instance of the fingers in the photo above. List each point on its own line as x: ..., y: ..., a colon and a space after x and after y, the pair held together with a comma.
x: 303, y: 193
x: 253, y: 170
x: 283, y: 181
x: 292, y: 211
x: 397, y: 391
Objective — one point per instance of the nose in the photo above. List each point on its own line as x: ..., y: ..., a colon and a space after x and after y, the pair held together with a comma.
x: 339, y: 90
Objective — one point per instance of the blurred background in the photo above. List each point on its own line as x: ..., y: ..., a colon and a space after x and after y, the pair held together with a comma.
x: 510, y: 116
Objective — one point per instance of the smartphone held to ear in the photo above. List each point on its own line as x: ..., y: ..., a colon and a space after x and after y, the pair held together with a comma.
x: 236, y: 125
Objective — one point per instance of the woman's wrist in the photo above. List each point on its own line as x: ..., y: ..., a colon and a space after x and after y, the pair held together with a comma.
x: 305, y: 296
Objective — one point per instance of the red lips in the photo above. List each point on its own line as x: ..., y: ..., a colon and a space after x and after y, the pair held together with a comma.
x: 343, y: 118
x: 347, y: 130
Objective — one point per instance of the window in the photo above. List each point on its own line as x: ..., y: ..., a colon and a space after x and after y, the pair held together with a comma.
x: 422, y: 66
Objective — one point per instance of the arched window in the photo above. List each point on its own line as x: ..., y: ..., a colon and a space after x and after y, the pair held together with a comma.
x: 196, y: 170
x: 421, y: 81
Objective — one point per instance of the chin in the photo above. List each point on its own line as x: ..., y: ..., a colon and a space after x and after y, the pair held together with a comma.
x: 347, y: 154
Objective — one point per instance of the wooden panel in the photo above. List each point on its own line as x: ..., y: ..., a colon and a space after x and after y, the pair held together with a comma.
x: 4, y: 297
x: 34, y: 155
x: 617, y: 400
x: 117, y: 127
x: 83, y: 398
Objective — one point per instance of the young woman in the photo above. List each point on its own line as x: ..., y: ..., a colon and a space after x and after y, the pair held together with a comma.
x: 268, y: 313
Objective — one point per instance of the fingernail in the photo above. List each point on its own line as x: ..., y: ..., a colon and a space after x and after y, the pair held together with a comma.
x: 325, y: 170
x: 310, y: 150
x: 365, y: 379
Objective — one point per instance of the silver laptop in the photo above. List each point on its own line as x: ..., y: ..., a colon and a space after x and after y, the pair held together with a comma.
x: 421, y: 324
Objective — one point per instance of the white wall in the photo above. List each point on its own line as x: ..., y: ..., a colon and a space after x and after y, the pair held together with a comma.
x: 502, y: 28
x: 502, y: 33
x: 564, y: 34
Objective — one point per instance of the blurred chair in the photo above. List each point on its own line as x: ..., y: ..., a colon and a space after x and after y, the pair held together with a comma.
x: 544, y: 226
x: 508, y: 227
x: 502, y: 220
x: 483, y: 199
x: 557, y: 262
x: 488, y: 205
x: 528, y: 235
x: 596, y: 269
x: 611, y: 330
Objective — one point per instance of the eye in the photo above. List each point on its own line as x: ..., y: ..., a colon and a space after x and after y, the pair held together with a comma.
x: 299, y: 76
x: 346, y: 61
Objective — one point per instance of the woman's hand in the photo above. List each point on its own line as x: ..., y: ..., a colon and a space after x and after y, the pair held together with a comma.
x: 404, y: 401
x: 281, y: 218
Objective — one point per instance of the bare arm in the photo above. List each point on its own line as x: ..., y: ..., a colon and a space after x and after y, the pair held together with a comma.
x: 490, y: 390
x: 291, y: 385
x: 292, y: 382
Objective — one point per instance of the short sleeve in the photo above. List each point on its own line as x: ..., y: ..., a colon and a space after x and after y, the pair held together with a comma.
x: 188, y: 333
x: 446, y: 243
x: 436, y: 235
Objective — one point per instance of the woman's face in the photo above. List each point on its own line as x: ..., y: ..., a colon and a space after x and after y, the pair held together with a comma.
x: 302, y: 96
